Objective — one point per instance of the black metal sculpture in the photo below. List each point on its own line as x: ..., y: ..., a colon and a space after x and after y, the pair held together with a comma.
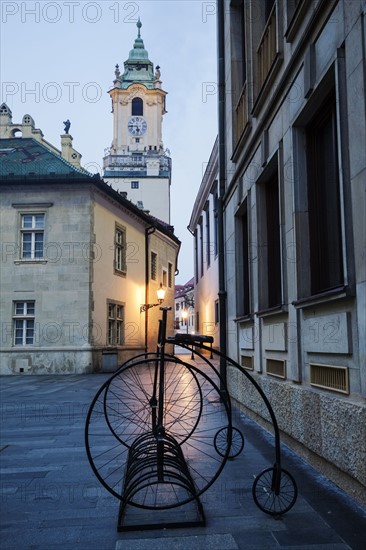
x: 159, y: 432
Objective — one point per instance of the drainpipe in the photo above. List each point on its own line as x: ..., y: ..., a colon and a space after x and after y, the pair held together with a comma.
x: 222, y: 183
x: 148, y: 231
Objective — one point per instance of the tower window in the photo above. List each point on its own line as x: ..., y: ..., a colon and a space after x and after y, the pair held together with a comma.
x: 137, y: 106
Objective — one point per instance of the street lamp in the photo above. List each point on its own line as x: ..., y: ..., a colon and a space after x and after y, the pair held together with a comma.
x: 160, y: 296
x: 184, y: 317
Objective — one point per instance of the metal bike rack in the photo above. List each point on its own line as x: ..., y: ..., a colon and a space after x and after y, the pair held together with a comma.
x: 159, y: 432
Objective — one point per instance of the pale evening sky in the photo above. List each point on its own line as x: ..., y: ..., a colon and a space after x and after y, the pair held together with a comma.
x: 57, y: 63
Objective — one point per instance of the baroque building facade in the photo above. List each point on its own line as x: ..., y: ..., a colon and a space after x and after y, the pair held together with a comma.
x: 292, y: 173
x: 79, y: 262
x: 137, y: 163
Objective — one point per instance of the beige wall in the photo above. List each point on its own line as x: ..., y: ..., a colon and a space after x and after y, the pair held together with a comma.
x: 167, y: 252
x: 59, y: 284
x: 128, y: 289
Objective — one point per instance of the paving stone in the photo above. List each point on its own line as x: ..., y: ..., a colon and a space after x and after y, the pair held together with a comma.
x: 199, y: 542
x: 50, y: 498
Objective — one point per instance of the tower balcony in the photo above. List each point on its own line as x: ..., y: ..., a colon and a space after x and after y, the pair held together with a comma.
x: 137, y: 163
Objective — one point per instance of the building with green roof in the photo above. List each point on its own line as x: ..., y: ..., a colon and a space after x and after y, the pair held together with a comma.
x: 78, y: 261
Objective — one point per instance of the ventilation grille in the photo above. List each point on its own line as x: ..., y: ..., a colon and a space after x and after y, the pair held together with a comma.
x: 247, y: 361
x: 275, y: 367
x: 329, y: 377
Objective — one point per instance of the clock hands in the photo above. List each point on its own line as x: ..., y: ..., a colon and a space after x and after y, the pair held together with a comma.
x: 137, y: 126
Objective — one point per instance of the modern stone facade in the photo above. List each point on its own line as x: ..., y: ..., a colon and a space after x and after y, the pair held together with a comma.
x: 292, y: 147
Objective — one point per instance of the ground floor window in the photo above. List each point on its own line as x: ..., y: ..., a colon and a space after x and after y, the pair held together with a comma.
x: 23, y: 323
x: 115, y: 324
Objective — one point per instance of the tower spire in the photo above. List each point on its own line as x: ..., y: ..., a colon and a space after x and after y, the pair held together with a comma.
x: 139, y: 25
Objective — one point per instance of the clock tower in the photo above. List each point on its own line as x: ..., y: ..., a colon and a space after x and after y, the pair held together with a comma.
x: 136, y: 162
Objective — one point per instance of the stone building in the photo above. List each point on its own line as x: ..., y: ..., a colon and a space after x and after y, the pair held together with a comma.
x: 79, y: 262
x: 137, y: 163
x: 292, y: 173
x: 204, y: 227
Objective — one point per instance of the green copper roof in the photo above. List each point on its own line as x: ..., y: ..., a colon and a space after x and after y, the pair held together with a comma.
x: 138, y: 67
x: 26, y: 157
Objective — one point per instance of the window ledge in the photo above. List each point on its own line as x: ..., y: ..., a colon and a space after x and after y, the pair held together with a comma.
x: 120, y: 273
x: 338, y: 293
x: 239, y: 144
x: 40, y: 261
x: 297, y: 19
x: 31, y: 205
x: 272, y: 311
x: 244, y: 318
x: 266, y: 87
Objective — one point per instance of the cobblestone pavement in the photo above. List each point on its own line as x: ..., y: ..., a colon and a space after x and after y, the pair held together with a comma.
x: 50, y: 498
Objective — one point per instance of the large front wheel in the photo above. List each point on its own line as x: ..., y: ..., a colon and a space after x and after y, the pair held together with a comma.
x: 122, y: 435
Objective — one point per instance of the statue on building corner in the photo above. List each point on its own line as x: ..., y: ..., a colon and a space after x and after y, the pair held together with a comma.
x: 67, y: 124
x: 157, y: 72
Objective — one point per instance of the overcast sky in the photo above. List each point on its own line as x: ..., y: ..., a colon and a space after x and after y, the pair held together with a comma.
x: 58, y: 60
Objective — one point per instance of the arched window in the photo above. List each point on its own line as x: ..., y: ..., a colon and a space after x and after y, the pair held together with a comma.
x: 137, y: 106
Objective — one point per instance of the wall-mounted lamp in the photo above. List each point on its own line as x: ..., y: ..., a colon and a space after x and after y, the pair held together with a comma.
x: 160, y: 294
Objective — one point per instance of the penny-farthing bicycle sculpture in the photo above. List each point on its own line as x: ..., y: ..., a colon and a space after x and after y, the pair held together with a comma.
x: 159, y: 432
x: 274, y: 489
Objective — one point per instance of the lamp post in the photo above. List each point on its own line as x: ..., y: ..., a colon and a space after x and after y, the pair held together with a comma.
x: 160, y: 297
x: 185, y: 317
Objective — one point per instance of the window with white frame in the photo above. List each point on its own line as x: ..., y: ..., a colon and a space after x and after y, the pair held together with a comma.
x: 196, y: 255
x: 216, y: 225
x: 115, y: 324
x: 208, y: 236
x: 134, y: 184
x: 24, y: 323
x: 201, y: 253
x: 120, y: 263
x: 32, y: 236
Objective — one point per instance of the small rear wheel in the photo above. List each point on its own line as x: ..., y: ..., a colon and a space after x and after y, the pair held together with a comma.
x: 221, y: 442
x: 274, y: 491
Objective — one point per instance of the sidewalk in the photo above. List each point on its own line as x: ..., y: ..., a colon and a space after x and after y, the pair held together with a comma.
x: 50, y: 498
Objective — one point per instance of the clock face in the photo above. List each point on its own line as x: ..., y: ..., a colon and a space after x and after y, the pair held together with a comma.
x: 136, y: 126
